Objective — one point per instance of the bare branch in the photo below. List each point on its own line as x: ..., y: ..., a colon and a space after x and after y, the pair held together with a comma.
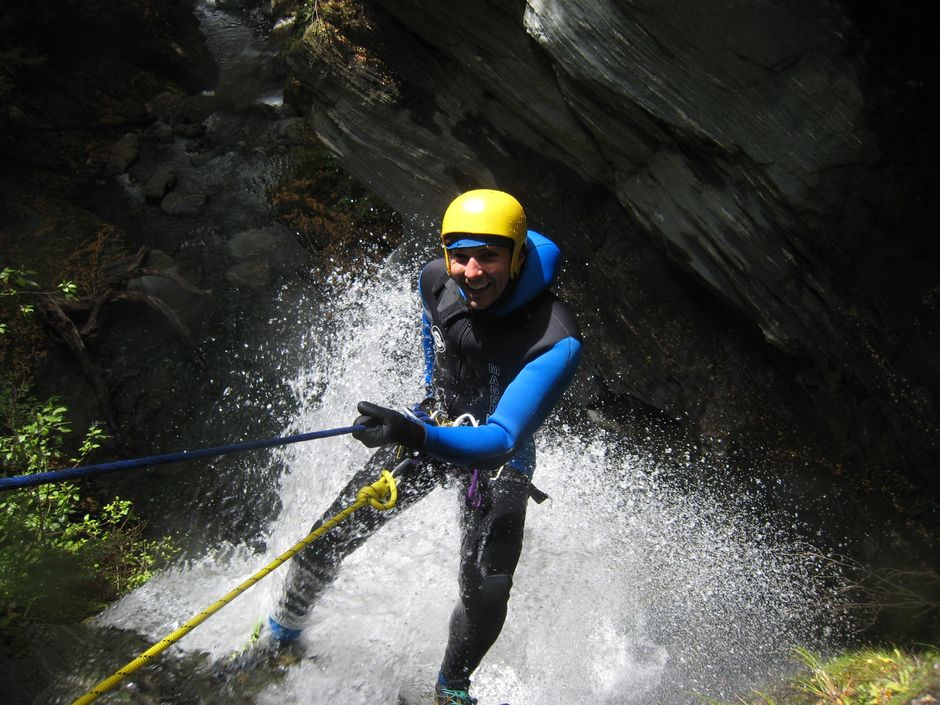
x: 66, y: 330
x: 158, y: 305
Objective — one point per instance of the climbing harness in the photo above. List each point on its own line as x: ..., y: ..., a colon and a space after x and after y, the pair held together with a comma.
x: 41, y: 478
x: 474, y: 490
x: 380, y: 495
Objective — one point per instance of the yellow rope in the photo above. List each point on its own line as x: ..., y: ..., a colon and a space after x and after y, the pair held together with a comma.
x: 381, y: 494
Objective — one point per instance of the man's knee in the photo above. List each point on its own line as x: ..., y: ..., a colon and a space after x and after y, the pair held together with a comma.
x: 491, y: 593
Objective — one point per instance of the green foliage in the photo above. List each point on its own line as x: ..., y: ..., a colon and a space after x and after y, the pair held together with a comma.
x: 15, y: 281
x: 19, y: 281
x: 23, y: 341
x: 69, y: 289
x: 867, y: 676
x: 871, y: 676
x: 62, y: 554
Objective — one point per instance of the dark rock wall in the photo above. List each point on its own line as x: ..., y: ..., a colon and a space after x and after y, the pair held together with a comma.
x: 749, y: 236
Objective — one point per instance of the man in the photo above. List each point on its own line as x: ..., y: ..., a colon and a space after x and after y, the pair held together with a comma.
x: 500, y: 347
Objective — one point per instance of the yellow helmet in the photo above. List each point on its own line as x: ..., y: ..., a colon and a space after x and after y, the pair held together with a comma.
x: 489, y: 214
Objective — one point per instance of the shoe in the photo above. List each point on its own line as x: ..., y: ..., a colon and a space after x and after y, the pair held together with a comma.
x: 270, y: 645
x: 450, y: 696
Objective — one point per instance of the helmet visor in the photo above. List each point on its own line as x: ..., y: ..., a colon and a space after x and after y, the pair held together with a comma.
x: 456, y: 241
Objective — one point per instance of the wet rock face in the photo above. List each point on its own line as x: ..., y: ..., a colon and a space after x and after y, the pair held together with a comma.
x: 748, y: 240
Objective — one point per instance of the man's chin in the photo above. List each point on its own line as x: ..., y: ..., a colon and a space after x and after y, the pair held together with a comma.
x: 478, y: 303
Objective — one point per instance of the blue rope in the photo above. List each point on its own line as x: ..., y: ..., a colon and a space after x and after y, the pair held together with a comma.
x: 41, y: 478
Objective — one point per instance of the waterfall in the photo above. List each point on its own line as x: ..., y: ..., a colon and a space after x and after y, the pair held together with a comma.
x: 632, y: 588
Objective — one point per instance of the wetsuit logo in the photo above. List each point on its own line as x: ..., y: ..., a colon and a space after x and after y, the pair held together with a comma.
x: 438, y: 338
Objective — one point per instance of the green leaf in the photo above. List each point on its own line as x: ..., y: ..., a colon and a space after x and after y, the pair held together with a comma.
x: 69, y: 289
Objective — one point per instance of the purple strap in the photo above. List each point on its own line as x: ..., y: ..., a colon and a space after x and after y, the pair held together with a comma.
x: 474, y: 496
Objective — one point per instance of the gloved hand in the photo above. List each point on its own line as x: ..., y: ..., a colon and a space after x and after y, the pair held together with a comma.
x: 385, y: 426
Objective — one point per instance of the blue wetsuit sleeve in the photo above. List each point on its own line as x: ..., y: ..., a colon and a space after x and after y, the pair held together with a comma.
x: 526, y: 403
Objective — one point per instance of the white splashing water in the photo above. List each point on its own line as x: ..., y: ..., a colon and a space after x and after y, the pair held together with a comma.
x: 629, y: 590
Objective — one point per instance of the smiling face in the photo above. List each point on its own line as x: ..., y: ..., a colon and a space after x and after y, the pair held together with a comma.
x: 483, y: 273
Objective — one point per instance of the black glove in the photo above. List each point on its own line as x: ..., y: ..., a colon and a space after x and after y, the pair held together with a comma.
x: 385, y: 426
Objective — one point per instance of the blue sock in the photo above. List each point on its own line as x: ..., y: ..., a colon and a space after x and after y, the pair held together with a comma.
x: 445, y: 682
x: 282, y: 633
